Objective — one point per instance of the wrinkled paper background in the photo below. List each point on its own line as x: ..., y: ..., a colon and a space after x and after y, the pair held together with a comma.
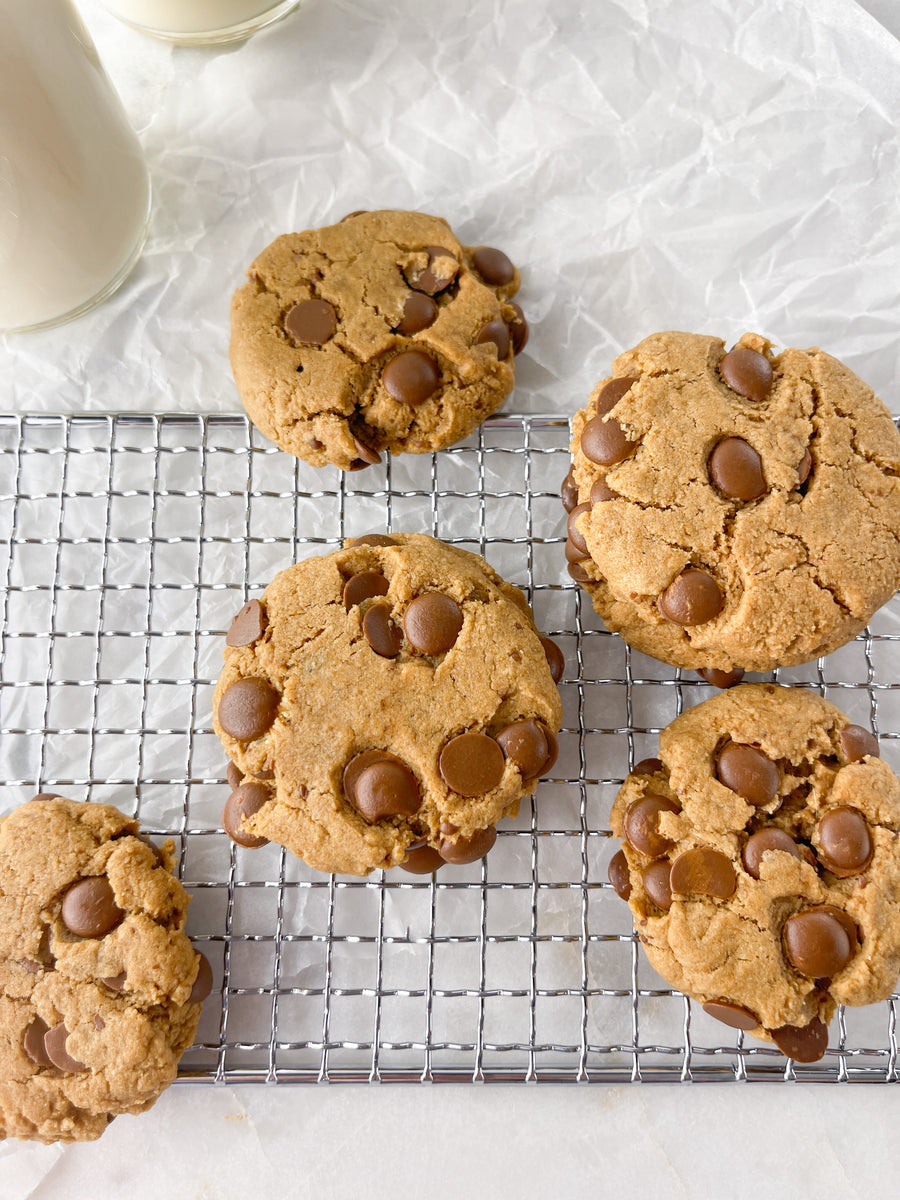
x: 695, y: 164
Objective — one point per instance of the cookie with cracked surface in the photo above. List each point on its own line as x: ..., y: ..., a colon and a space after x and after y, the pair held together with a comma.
x: 100, y: 988
x: 382, y: 332
x: 734, y: 511
x: 387, y: 704
x: 760, y: 859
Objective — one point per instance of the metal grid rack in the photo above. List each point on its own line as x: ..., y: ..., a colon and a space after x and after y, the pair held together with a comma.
x: 129, y: 542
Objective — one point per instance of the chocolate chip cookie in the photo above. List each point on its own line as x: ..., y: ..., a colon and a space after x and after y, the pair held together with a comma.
x: 384, y: 705
x: 382, y: 332
x: 100, y: 989
x: 761, y: 862
x: 734, y: 510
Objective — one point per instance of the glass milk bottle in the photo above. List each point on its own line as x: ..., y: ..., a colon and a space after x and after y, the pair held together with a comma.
x: 74, y: 188
x: 200, y: 21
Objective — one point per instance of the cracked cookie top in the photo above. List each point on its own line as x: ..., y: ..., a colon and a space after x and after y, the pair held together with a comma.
x: 761, y: 862
x: 734, y: 510
x: 382, y: 332
x: 100, y: 988
x: 384, y: 705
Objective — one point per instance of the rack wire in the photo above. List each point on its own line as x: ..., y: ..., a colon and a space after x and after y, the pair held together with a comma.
x: 129, y: 541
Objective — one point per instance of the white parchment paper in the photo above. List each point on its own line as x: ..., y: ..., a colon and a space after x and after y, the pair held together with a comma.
x: 713, y: 165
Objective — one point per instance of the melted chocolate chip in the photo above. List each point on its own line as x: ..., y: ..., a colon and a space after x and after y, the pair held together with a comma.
x: 804, y: 468
x: 386, y: 788
x: 764, y: 840
x: 816, y: 942
x: 55, y: 1047
x: 640, y: 825
x: 736, y: 469
x: 576, y: 537
x: 601, y: 492
x: 364, y: 586
x: 692, y: 599
x: 527, y: 744
x: 555, y: 659
x: 248, y: 708
x: 411, y: 377
x: 247, y: 800
x: 33, y: 1043
x: 721, y: 679
x: 471, y: 764
x: 367, y: 457
x: 731, y: 1014
x: 619, y: 875
x: 89, y: 908
x: 116, y: 983
x: 703, y: 872
x: 384, y: 637
x: 604, y: 441
x: 845, y: 842
x: 518, y: 329
x: 440, y: 272
x: 802, y: 1043
x: 611, y: 393
x: 432, y: 623
x: 857, y: 743
x: 498, y: 333
x: 469, y: 849
x: 568, y: 492
x: 578, y: 573
x: 422, y: 860
x: 248, y: 625
x: 373, y: 539
x: 234, y: 775
x: 747, y: 771
x: 648, y: 766
x: 311, y: 322
x: 419, y: 312
x: 656, y: 881
x: 493, y: 266
x: 747, y: 372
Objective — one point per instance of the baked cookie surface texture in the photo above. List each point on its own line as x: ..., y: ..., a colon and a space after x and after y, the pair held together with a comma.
x: 761, y: 863
x: 384, y: 705
x: 100, y: 988
x: 736, y: 510
x: 382, y: 332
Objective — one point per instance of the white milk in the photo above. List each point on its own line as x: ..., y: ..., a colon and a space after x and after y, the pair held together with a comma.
x: 199, y: 20
x: 74, y: 189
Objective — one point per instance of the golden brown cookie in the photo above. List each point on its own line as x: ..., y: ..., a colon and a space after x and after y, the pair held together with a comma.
x: 382, y: 332
x: 761, y: 863
x: 384, y: 704
x: 736, y: 510
x: 100, y: 989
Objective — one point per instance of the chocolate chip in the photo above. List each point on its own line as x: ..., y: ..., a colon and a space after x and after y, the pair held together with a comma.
x: 373, y: 539
x: 603, y: 441
x: 619, y: 876
x: 763, y: 840
x: 845, y: 843
x: 610, y: 395
x: 33, y: 1043
x: 442, y: 269
x: 498, y: 333
x: 364, y: 586
x: 721, y: 679
x: 471, y: 764
x: 576, y: 537
x: 858, y: 743
x: 367, y: 457
x: 386, y: 788
x: 601, y: 492
x: 157, y: 852
x: 469, y: 849
x: 802, y: 1043
x: 381, y: 633
x: 747, y: 372
x: 115, y: 983
x: 311, y: 322
x: 574, y: 554
x: 47, y: 796
x: 555, y: 659
x: 731, y: 1014
x: 528, y: 745
x: 817, y: 943
x: 357, y: 212
x: 411, y: 377
x: 432, y: 623
x: 805, y: 467
x: 422, y: 860
x: 748, y: 772
x: 99, y: 1023
x: 248, y: 708
x: 248, y: 625
x: 247, y: 800
x: 29, y: 965
x: 518, y: 329
x: 419, y: 312
x: 657, y: 884
x: 704, y: 872
x: 648, y: 766
x: 264, y: 775
x: 89, y: 908
x: 493, y: 266
x: 568, y: 492
x: 736, y: 470
x: 692, y: 599
x: 202, y: 985
x: 578, y: 573
x: 234, y: 775
x: 55, y: 1047
x: 640, y: 825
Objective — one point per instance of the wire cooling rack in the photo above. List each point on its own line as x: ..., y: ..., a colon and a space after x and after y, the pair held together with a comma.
x: 128, y: 542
